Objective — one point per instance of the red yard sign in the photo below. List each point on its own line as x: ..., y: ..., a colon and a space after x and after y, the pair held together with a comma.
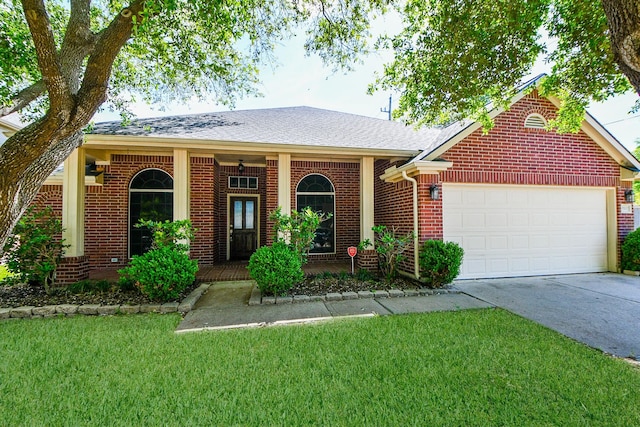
x: 352, y: 251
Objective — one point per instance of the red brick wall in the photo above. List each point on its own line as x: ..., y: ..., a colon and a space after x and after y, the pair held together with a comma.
x: 107, y: 209
x: 345, y: 178
x: 511, y: 154
x: 271, y: 184
x: 202, y: 185
x: 394, y: 207
x: 224, y: 190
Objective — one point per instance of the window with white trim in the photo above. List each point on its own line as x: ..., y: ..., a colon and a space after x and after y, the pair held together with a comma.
x: 250, y: 182
x: 318, y: 193
x: 150, y: 198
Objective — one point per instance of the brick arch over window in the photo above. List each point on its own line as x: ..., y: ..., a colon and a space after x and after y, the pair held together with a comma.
x: 150, y: 198
x: 317, y: 192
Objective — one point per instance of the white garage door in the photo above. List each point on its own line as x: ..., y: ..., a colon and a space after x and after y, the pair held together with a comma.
x: 509, y: 231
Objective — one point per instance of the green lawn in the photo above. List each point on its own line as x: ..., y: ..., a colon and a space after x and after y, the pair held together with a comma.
x: 484, y: 367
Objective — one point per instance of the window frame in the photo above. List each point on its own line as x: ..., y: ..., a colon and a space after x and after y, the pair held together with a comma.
x: 320, y: 193
x: 144, y: 190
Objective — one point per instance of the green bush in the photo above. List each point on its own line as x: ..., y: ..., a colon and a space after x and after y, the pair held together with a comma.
x: 631, y: 251
x: 166, y: 270
x: 161, y: 274
x: 275, y: 268
x: 440, y: 262
x: 390, y: 248
x: 298, y: 230
x: 35, y: 248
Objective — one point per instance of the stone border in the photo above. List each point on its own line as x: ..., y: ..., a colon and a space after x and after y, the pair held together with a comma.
x: 257, y: 298
x: 30, y: 312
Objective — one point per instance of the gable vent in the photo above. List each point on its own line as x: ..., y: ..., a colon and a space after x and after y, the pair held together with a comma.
x: 535, y: 121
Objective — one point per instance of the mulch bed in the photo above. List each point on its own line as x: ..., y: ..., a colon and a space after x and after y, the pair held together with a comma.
x: 27, y: 295
x: 321, y: 284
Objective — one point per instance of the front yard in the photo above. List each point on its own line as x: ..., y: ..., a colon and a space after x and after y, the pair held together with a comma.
x: 483, y: 367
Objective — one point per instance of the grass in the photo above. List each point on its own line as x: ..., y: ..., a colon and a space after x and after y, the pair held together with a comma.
x: 483, y: 367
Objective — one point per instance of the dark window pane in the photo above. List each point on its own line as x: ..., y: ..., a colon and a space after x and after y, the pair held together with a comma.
x: 233, y: 182
x: 152, y: 179
x: 325, y: 233
x: 315, y: 184
x: 148, y: 206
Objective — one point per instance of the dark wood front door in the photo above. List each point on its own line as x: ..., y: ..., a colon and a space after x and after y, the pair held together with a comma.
x: 243, y: 225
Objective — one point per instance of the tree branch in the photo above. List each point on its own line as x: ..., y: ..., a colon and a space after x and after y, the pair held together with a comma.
x: 78, y: 43
x: 42, y: 34
x: 24, y: 98
x: 93, y: 91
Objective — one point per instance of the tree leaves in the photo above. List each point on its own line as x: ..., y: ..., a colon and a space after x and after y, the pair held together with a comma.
x: 454, y: 57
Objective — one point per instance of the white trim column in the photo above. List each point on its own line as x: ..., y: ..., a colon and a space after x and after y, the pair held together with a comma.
x: 284, y: 183
x: 367, y: 203
x: 181, y: 193
x: 73, y: 193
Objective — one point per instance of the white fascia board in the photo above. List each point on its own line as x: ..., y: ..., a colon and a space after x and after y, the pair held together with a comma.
x: 421, y: 167
x: 117, y: 143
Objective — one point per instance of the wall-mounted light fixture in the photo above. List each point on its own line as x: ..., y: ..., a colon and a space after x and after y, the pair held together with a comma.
x: 629, y: 196
x: 434, y: 192
x: 240, y: 167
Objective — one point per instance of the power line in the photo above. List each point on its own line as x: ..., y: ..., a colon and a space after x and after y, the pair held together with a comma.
x: 623, y: 120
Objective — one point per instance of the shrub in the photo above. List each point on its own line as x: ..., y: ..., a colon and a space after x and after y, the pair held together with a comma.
x: 390, y: 248
x: 631, y: 251
x: 440, y: 262
x: 35, y: 248
x: 298, y: 230
x: 161, y: 274
x: 275, y: 268
x: 165, y: 271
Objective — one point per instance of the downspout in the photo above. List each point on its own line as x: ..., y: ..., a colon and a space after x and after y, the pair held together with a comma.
x: 416, y: 255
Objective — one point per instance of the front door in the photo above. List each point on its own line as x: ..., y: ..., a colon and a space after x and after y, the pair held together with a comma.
x: 243, y: 236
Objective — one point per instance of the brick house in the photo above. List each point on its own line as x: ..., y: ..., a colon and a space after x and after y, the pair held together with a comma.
x: 520, y: 200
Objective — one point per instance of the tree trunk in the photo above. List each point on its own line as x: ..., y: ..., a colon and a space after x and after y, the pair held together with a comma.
x: 26, y: 160
x: 623, y: 17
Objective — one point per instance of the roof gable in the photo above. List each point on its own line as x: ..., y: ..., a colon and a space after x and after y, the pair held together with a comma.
x: 457, y: 132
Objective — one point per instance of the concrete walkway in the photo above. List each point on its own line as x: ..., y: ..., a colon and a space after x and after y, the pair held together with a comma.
x: 601, y: 310
x: 225, y: 305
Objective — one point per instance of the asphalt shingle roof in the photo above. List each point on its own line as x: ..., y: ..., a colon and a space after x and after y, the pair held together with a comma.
x: 291, y: 125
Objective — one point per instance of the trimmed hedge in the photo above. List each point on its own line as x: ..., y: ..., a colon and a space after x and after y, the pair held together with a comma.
x: 275, y: 268
x: 440, y: 262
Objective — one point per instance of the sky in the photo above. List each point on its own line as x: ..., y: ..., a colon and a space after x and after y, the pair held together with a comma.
x: 300, y: 80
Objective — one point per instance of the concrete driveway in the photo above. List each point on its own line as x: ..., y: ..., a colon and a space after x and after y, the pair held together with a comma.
x: 601, y: 310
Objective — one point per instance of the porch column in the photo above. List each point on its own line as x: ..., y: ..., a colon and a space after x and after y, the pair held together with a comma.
x: 181, y: 193
x: 284, y: 183
x: 367, y: 206
x: 73, y: 203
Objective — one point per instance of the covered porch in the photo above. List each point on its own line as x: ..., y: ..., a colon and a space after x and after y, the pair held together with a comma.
x: 234, y: 270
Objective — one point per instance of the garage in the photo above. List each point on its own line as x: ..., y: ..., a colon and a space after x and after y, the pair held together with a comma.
x: 514, y: 230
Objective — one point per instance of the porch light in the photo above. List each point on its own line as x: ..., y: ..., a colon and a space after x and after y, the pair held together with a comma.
x: 434, y: 192
x: 240, y: 167
x: 629, y: 196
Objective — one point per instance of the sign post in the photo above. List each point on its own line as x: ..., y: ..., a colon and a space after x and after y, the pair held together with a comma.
x: 352, y: 251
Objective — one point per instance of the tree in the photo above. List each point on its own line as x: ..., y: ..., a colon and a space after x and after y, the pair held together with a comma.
x: 61, y: 60
x: 453, y: 57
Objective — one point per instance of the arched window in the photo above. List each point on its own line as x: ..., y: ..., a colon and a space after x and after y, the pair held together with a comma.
x: 150, y: 198
x: 535, y: 121
x: 317, y: 192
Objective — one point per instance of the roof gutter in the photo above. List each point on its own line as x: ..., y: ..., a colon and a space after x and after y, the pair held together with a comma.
x: 416, y: 259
